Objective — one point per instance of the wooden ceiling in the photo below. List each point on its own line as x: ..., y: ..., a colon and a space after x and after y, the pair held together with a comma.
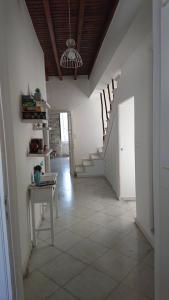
x: 90, y: 20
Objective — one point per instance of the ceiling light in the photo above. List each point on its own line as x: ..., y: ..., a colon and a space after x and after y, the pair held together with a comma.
x: 70, y: 59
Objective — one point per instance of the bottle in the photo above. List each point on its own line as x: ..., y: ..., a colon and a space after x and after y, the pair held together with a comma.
x: 32, y: 178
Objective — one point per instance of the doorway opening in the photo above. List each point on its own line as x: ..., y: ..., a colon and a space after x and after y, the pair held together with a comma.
x: 126, y: 120
x: 60, y: 139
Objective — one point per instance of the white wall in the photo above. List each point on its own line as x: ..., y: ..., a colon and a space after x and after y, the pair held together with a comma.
x: 136, y: 81
x: 25, y: 67
x: 70, y: 95
x: 124, y: 15
x: 134, y: 33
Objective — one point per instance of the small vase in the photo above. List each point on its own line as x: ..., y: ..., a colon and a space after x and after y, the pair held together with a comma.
x: 37, y: 175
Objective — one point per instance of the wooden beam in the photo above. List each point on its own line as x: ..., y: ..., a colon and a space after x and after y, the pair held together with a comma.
x: 46, y: 74
x: 101, y: 98
x: 79, y: 28
x: 105, y: 103
x: 52, y: 35
x: 104, y: 31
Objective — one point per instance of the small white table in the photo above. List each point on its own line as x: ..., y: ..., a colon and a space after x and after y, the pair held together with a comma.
x: 44, y: 195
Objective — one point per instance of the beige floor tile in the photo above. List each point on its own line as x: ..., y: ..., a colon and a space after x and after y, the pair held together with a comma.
x: 61, y: 295
x: 84, y: 228
x: 125, y: 293
x: 105, y: 236
x: 37, y: 286
x: 142, y: 280
x: 63, y: 268
x: 87, y: 251
x: 115, y: 265
x: 91, y: 285
x: 41, y: 256
x: 133, y: 247
x: 149, y: 259
x: 101, y: 219
x: 66, y: 239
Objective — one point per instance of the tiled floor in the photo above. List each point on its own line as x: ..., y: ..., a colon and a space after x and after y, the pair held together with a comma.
x: 99, y: 252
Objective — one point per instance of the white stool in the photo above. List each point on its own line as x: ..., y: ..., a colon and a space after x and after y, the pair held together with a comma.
x: 42, y: 195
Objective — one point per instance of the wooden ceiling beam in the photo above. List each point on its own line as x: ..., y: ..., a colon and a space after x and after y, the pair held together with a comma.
x: 103, y: 32
x: 79, y: 28
x: 52, y: 35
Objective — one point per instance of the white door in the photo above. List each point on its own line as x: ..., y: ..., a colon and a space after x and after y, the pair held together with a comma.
x: 5, y: 275
x: 71, y: 145
x: 126, y: 150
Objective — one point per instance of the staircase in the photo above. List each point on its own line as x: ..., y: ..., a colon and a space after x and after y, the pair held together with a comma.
x: 94, y: 164
x: 91, y: 166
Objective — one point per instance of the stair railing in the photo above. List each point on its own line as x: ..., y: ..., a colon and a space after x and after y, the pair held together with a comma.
x: 105, y: 103
x: 110, y: 100
x: 104, y: 109
x: 102, y: 113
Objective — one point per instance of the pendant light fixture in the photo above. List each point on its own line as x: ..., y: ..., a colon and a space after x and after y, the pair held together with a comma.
x: 70, y: 58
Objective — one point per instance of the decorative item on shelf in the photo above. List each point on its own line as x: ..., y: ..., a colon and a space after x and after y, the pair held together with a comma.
x: 37, y: 174
x: 36, y: 146
x: 28, y: 103
x: 37, y: 94
x: 32, y: 107
x: 45, y: 148
x: 34, y: 115
x: 37, y: 126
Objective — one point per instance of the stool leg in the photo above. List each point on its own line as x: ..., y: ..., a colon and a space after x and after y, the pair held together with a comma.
x: 43, y: 211
x: 33, y: 224
x: 52, y: 223
x: 56, y: 201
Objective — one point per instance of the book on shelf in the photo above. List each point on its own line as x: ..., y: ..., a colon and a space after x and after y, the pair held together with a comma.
x: 34, y: 115
x: 33, y: 109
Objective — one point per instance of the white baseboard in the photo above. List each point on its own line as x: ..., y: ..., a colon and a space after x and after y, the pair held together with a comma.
x: 149, y: 238
x: 127, y: 198
x: 89, y: 176
x: 25, y: 265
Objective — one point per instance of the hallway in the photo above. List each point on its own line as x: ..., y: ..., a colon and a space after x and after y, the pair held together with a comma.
x: 99, y: 252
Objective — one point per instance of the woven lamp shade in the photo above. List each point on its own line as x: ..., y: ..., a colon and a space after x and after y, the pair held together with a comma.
x: 71, y: 58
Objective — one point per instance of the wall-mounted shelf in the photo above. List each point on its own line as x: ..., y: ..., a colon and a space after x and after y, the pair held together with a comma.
x: 43, y: 128
x: 34, y: 121
x: 40, y: 154
x: 34, y: 110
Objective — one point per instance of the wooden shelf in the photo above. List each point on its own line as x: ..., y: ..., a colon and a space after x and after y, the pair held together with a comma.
x: 40, y: 129
x: 34, y: 121
x: 40, y: 154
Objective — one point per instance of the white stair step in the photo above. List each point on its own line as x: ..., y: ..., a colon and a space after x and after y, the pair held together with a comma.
x: 100, y: 150
x: 95, y: 156
x: 95, y: 170
x: 87, y: 162
x: 79, y: 169
x: 100, y: 153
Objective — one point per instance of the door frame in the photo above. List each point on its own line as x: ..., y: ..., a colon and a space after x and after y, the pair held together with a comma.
x: 71, y: 143
x: 10, y: 195
x: 157, y: 106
